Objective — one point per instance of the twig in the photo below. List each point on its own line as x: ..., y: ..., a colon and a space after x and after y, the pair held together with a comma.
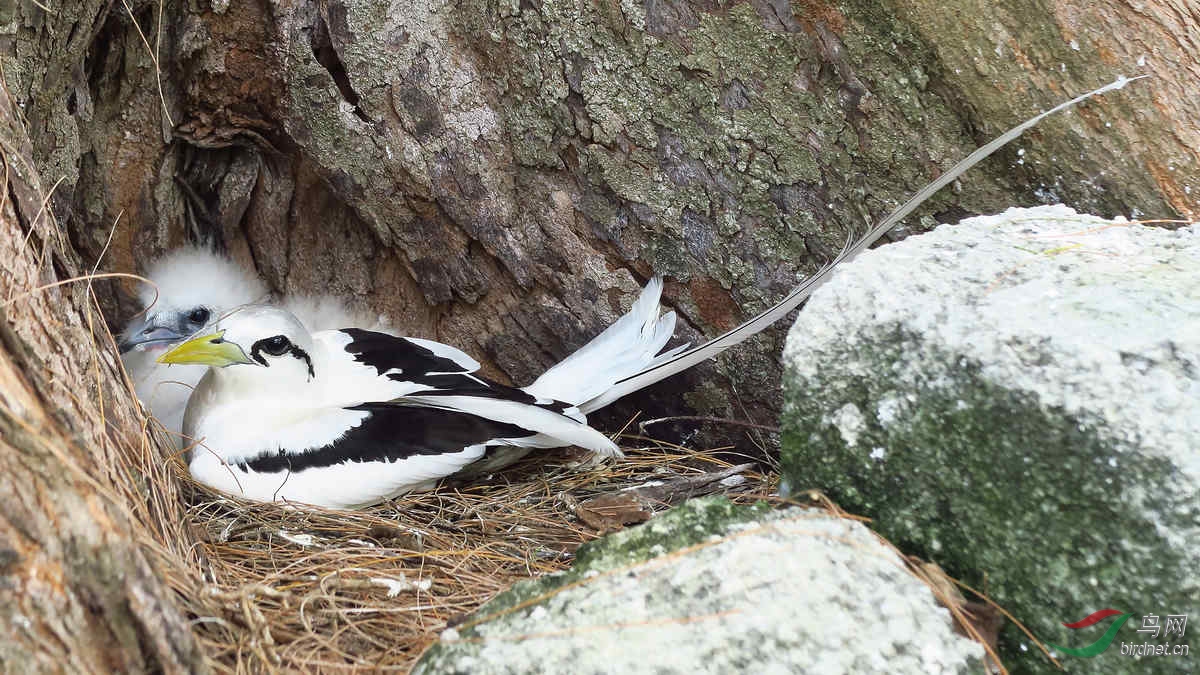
x: 702, y: 418
x: 86, y: 277
x: 153, y: 56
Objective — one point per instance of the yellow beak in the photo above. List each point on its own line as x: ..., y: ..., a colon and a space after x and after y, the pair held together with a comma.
x: 206, y: 350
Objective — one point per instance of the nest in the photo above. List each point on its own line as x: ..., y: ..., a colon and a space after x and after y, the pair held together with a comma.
x: 275, y: 588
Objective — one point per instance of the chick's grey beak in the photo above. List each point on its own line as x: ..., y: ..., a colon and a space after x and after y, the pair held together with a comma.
x: 149, y: 333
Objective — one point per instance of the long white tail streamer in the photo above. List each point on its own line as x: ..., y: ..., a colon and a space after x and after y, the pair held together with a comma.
x: 662, y: 369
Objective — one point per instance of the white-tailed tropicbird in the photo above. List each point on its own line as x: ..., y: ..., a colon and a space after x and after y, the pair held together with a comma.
x: 346, y: 418
x: 192, y: 286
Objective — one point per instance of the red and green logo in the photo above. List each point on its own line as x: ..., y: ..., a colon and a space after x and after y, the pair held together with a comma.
x: 1105, y: 640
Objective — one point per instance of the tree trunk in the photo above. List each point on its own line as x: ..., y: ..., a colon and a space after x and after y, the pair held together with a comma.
x: 78, y: 591
x: 504, y: 175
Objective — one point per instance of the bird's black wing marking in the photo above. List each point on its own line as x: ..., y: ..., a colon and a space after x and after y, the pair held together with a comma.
x: 394, y: 431
x: 386, y: 352
x: 443, y: 376
x: 474, y: 385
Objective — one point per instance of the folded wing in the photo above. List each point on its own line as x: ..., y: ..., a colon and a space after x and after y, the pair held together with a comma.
x: 433, y: 376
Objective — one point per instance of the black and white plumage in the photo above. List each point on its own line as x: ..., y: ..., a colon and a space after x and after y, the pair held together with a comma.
x: 346, y: 418
x: 192, y: 286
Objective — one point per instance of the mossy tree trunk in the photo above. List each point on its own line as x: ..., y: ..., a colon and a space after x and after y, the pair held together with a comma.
x: 502, y: 175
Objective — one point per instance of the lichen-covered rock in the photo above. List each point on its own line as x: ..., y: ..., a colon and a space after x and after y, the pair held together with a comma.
x: 714, y: 588
x: 1017, y: 398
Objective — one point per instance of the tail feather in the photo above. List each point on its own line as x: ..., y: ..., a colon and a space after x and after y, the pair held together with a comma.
x: 629, y: 346
x: 662, y: 368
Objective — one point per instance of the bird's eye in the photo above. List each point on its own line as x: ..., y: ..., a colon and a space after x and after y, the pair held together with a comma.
x: 276, y: 346
x: 199, y: 315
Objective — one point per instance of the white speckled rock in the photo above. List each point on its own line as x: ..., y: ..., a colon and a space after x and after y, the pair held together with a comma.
x: 1018, y: 398
x: 764, y: 592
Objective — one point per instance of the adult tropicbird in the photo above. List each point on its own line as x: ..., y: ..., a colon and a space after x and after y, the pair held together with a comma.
x: 192, y: 286
x: 347, y: 418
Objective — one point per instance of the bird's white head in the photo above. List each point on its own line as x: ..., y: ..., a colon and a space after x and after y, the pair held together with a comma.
x: 194, y: 286
x: 255, y: 345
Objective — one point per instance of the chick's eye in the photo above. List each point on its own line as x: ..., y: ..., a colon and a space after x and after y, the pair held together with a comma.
x: 199, y: 315
x: 276, y: 346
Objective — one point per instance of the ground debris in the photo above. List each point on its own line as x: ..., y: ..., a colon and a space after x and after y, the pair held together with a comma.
x: 372, y: 589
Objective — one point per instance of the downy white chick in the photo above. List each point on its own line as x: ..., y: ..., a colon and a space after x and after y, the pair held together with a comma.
x: 195, y: 285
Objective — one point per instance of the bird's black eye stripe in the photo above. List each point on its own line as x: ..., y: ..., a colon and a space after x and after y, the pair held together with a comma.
x: 199, y: 315
x: 278, y: 346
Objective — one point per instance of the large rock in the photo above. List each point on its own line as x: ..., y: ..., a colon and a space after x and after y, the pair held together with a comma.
x: 714, y: 588
x: 1017, y: 398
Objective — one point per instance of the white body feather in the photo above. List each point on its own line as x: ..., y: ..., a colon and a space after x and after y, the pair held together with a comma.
x: 351, y: 485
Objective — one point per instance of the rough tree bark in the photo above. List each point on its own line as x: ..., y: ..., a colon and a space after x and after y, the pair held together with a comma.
x: 78, y: 589
x: 502, y: 175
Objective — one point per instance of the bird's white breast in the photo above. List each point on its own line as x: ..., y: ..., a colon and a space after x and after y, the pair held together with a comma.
x: 242, y: 425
